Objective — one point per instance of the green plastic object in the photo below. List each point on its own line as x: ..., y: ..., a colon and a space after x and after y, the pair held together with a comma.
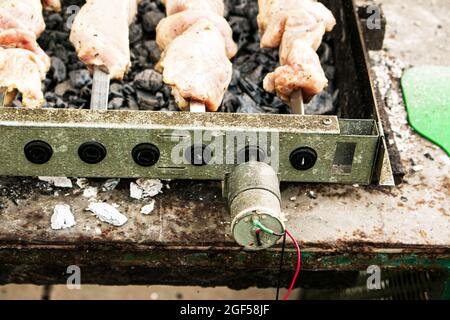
x: 426, y: 92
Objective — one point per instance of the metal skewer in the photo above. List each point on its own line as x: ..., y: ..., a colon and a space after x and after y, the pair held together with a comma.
x: 297, y: 104
x: 195, y: 106
x: 100, y: 90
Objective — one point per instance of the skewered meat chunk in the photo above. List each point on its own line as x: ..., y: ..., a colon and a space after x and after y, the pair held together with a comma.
x: 54, y: 5
x: 197, y: 43
x: 24, y: 15
x: 175, y: 25
x: 23, y: 63
x: 175, y: 6
x: 297, y: 27
x: 19, y: 70
x: 196, y: 66
x: 100, y: 34
x: 16, y: 38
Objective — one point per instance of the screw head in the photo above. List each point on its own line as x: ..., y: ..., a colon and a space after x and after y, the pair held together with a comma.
x: 146, y: 154
x: 92, y: 152
x: 38, y: 152
x: 303, y: 159
x: 327, y: 122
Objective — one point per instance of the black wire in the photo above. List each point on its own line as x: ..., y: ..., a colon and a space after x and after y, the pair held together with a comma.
x: 281, y: 267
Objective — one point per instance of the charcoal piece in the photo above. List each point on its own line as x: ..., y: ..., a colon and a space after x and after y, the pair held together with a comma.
x: 154, y: 53
x: 248, y: 105
x: 136, y: 33
x: 149, y: 80
x: 58, y: 69
x: 151, y: 19
x: 128, y: 90
x: 132, y: 103
x: 116, y: 90
x: 147, y: 100
x: 321, y: 104
x: 251, y: 89
x: 235, y: 77
x: 86, y: 92
x: 53, y: 21
x: 80, y: 78
x: 116, y: 103
x: 230, y: 102
x: 65, y: 87
x: 61, y: 52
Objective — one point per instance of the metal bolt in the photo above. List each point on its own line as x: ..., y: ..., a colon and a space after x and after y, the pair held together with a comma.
x: 327, y: 122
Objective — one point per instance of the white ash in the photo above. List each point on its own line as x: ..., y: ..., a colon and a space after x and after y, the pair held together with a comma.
x: 107, y: 213
x: 90, y: 192
x: 82, y: 183
x: 59, y: 182
x: 145, y: 188
x: 110, y: 185
x: 149, y: 208
x: 62, y: 217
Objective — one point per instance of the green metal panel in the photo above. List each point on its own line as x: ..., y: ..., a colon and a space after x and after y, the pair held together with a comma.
x: 121, y: 131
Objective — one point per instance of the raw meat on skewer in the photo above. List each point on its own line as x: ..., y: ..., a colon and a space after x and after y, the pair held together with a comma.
x: 23, y: 64
x: 197, y: 44
x: 297, y: 27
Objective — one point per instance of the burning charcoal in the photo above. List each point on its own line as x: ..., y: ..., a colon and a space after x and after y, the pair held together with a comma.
x: 80, y: 78
x: 149, y: 80
x: 320, y: 104
x: 247, y: 105
x: 151, y: 19
x: 116, y: 103
x: 147, y: 101
x: 59, y: 69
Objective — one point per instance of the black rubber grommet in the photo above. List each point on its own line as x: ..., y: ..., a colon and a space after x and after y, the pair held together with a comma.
x: 303, y: 159
x: 146, y: 154
x: 38, y: 152
x: 92, y: 152
x: 198, y: 155
x: 251, y: 153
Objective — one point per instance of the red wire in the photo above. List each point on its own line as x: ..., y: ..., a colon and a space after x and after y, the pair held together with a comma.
x: 299, y: 263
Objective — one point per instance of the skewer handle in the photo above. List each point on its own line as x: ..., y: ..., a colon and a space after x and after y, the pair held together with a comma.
x: 100, y: 90
x: 195, y: 106
x: 297, y: 104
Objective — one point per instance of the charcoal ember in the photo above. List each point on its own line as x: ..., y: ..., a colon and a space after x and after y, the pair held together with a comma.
x: 116, y: 103
x: 251, y: 89
x: 321, y: 104
x: 151, y: 19
x: 149, y: 80
x: 80, y: 78
x: 58, y: 69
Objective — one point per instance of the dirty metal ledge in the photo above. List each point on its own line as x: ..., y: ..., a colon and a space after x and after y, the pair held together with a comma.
x: 121, y: 131
x: 233, y: 267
